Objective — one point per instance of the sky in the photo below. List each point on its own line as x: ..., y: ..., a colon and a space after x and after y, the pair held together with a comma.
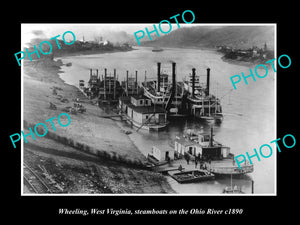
x: 89, y: 31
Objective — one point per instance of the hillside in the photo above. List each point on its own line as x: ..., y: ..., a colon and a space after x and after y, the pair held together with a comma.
x: 212, y: 36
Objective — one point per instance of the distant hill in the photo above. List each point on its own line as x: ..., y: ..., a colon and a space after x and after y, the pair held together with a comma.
x: 211, y: 36
x: 78, y: 47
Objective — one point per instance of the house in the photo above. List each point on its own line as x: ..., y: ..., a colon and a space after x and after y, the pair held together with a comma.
x: 200, y: 145
x: 183, y: 146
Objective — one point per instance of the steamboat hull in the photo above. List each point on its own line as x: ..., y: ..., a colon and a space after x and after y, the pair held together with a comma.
x: 149, y: 127
x: 231, y: 170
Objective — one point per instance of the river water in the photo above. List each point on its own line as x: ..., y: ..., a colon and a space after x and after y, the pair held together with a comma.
x: 249, y: 110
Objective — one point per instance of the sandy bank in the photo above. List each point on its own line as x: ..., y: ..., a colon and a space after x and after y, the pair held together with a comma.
x: 88, y: 128
x: 42, y: 85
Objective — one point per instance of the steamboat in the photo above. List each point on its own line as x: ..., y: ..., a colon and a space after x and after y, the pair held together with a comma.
x: 203, y: 147
x: 202, y: 104
x: 166, y: 94
x: 139, y: 111
x: 106, y: 89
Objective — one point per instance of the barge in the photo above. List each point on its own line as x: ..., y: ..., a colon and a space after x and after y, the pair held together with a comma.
x: 192, y: 176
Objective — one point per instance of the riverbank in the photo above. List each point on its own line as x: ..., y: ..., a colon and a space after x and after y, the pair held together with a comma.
x: 94, y: 51
x: 238, y: 62
x: 42, y: 85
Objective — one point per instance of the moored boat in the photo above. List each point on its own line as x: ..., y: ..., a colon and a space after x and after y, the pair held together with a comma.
x: 107, y: 89
x: 192, y: 176
x: 203, y: 147
x: 201, y: 103
x: 166, y: 94
x: 157, y: 50
x: 228, y: 168
x: 139, y: 112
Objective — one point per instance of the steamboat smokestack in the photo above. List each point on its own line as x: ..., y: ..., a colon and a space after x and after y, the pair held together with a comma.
x: 127, y: 82
x: 173, y: 77
x: 211, y: 137
x: 158, y: 76
x: 104, y: 83
x: 207, y: 82
x: 115, y: 82
x: 91, y: 71
x: 193, y: 81
x: 136, y: 82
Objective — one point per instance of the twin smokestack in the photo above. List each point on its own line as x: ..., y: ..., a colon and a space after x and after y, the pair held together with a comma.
x: 174, y: 78
x: 194, y: 78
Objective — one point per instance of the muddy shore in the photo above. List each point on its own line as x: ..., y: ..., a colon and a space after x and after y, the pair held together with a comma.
x: 42, y: 85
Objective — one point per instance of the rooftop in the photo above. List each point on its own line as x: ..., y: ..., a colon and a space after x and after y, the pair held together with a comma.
x: 142, y: 109
x: 185, y: 142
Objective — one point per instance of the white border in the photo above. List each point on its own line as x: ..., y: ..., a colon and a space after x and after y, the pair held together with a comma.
x: 182, y: 194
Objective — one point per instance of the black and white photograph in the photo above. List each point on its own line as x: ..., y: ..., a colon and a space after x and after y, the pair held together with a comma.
x: 150, y: 111
x: 158, y: 116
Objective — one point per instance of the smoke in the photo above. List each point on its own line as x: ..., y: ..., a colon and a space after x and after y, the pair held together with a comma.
x: 114, y: 37
x: 171, y: 61
x: 38, y: 34
x: 117, y: 37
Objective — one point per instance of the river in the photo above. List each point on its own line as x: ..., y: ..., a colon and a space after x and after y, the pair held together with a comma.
x: 249, y: 110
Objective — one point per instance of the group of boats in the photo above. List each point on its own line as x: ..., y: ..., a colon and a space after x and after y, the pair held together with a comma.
x: 153, y: 103
x: 183, y: 98
x: 214, y: 159
x: 169, y: 98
